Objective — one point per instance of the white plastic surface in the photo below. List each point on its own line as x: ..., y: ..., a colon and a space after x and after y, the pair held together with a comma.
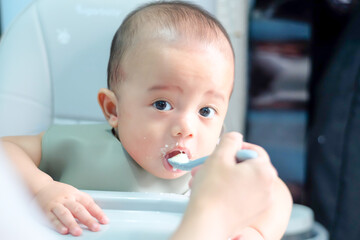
x: 53, y: 61
x: 302, y: 222
x: 153, y: 216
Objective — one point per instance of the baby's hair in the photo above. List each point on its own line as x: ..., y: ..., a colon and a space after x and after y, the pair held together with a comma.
x: 164, y: 19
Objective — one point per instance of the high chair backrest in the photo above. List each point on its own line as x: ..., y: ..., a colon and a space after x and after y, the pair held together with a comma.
x: 53, y: 60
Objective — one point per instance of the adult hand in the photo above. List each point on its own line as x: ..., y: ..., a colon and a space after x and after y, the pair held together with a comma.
x: 227, y: 196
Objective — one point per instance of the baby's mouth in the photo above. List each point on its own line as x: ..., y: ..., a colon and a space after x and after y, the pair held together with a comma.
x: 174, y: 153
x: 178, y: 152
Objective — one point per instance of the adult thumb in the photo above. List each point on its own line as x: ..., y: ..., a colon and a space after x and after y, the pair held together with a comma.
x: 226, y: 150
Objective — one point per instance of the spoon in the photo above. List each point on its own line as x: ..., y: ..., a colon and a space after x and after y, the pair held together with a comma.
x: 182, y: 162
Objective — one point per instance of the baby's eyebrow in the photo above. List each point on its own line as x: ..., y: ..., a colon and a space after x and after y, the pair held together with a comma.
x: 216, y: 94
x: 164, y: 87
x: 211, y: 93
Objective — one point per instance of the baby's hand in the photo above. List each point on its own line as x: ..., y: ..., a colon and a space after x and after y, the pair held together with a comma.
x: 63, y: 204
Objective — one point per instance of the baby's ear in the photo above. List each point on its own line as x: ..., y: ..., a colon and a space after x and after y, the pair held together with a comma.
x: 108, y: 103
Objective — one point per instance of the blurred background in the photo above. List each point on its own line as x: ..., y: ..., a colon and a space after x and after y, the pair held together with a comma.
x: 279, y: 63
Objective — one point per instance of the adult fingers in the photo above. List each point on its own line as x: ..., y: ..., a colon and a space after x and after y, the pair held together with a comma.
x: 195, y: 170
x: 261, y: 151
x: 227, y: 148
x: 193, y: 173
x: 80, y: 213
x: 191, y: 182
x: 66, y: 218
x: 265, y: 167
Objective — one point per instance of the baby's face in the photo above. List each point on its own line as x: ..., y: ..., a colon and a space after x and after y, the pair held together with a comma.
x: 173, y: 99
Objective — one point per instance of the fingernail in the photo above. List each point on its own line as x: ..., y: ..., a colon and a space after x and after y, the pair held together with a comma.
x: 76, y: 231
x: 95, y: 227
x: 63, y: 230
x: 104, y: 220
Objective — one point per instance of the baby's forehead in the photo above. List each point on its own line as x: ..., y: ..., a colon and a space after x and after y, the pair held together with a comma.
x: 182, y: 41
x: 186, y: 56
x: 186, y: 25
x: 174, y: 22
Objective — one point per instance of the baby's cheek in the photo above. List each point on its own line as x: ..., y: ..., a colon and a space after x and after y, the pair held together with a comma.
x: 208, y: 145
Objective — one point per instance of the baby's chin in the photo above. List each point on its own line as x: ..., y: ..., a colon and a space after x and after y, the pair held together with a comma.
x: 174, y: 176
x: 165, y: 173
x: 163, y: 170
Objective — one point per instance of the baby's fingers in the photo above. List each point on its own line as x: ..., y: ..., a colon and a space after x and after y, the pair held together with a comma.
x: 93, y: 208
x: 84, y: 217
x: 67, y: 219
x: 54, y: 220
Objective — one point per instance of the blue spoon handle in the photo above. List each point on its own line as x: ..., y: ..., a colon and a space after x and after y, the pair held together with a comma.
x: 241, y: 155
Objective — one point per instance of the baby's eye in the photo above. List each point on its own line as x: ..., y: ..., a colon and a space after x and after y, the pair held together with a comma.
x: 207, y: 112
x: 162, y: 105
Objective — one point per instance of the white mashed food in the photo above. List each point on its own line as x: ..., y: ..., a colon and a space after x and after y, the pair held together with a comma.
x: 180, y: 158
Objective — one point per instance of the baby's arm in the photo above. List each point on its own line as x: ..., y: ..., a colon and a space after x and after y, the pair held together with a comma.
x: 61, y: 202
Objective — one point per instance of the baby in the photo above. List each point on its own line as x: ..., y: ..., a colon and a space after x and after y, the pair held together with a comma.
x: 170, y: 78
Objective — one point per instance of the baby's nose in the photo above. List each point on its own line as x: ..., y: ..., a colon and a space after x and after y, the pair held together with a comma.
x: 183, y: 127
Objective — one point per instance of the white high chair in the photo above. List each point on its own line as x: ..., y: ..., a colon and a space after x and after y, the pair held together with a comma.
x: 53, y: 60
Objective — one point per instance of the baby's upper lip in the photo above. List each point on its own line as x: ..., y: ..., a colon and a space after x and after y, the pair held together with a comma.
x: 177, y: 151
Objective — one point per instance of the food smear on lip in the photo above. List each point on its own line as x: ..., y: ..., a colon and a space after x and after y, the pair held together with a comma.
x: 179, y: 158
